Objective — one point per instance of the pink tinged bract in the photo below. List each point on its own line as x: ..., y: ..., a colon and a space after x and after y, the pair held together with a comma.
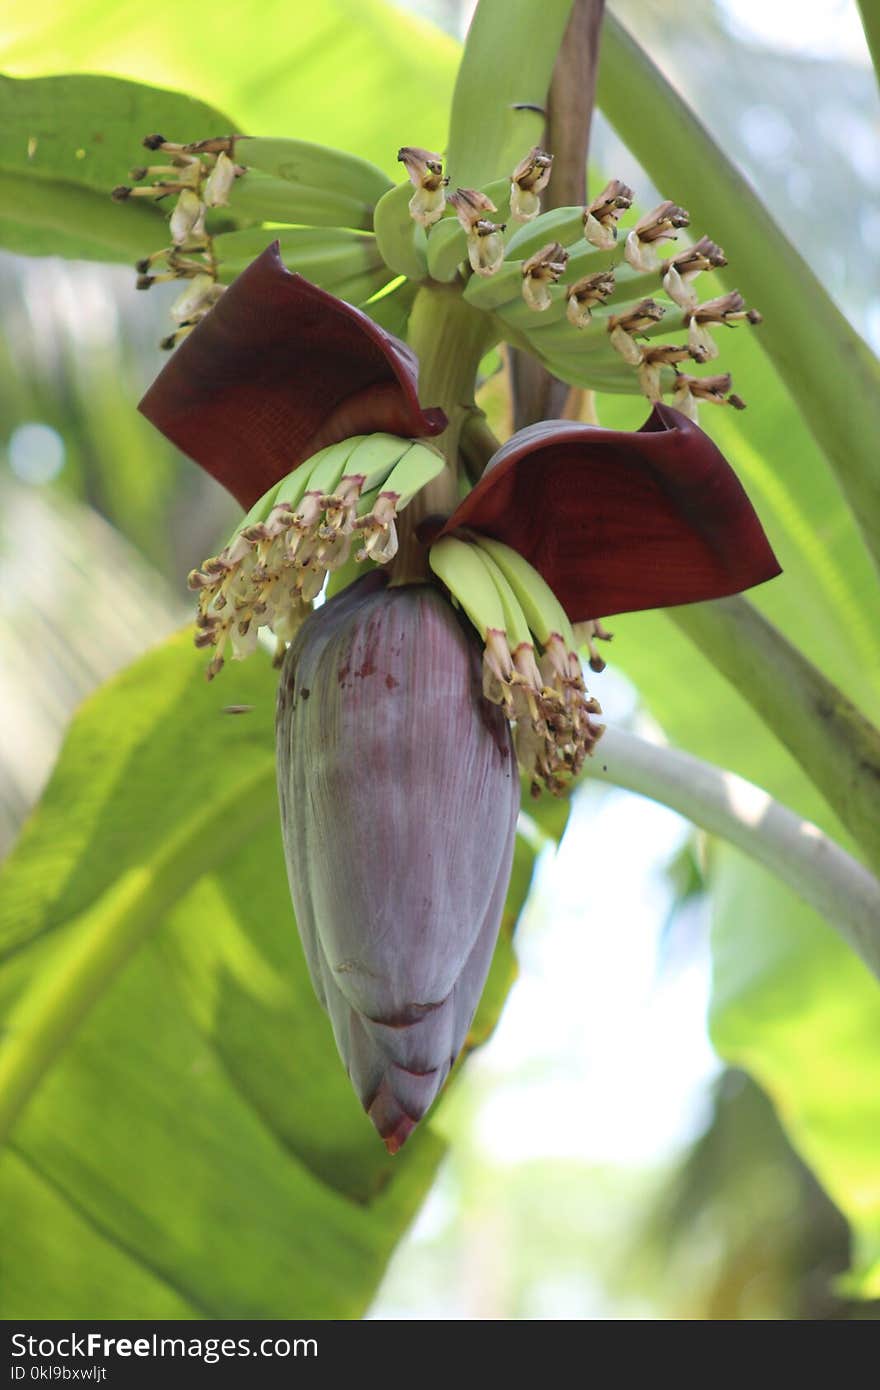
x: 277, y: 370
x: 618, y: 521
x: 399, y: 797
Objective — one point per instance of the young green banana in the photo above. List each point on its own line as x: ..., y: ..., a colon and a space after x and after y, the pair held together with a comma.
x: 314, y: 166
x: 544, y: 613
x: 327, y: 256
x: 402, y: 241
x: 469, y: 581
x: 565, y: 225
x: 418, y: 467
x: 447, y: 240
x: 269, y: 199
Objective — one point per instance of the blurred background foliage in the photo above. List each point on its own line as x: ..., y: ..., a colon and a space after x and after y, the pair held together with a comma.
x: 603, y: 1163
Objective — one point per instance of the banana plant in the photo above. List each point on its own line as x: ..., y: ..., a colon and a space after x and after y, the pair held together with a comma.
x: 430, y: 594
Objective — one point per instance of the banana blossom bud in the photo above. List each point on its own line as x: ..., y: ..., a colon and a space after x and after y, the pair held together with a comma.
x: 399, y: 796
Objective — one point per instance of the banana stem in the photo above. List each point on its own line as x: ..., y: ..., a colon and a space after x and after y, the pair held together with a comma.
x: 835, y: 884
x: 478, y: 444
x: 837, y: 747
x: 449, y: 338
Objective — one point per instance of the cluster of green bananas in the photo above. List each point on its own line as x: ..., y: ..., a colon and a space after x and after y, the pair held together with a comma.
x: 319, y: 200
x: 304, y: 527
x: 540, y: 688
x: 563, y: 286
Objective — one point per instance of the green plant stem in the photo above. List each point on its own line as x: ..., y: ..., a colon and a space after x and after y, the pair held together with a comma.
x: 835, y: 884
x: 536, y: 393
x: 478, y: 443
x: 837, y: 747
x: 829, y: 370
x: 104, y: 938
x: 449, y: 339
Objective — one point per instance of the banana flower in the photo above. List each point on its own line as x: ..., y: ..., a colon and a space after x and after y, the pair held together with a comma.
x: 405, y: 706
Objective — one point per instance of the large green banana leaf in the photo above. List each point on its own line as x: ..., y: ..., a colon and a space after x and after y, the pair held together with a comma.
x: 357, y: 74
x: 181, y: 1136
x: 790, y: 1002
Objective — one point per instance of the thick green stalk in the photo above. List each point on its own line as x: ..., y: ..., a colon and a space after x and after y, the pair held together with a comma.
x: 449, y: 339
x: 829, y: 370
x: 837, y: 747
x: 536, y: 393
x: 840, y: 889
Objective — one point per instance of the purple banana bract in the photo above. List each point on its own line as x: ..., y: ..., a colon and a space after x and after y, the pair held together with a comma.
x: 399, y: 796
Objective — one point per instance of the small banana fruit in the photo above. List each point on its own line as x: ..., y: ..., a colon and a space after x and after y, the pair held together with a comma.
x: 314, y: 166
x: 509, y: 603
x: 401, y: 241
x: 302, y: 529
x: 327, y: 256
x: 267, y: 198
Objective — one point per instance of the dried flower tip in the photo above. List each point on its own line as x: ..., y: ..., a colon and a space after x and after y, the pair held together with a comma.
x: 216, y: 144
x: 716, y: 389
x: 654, y: 359
x: 623, y: 328
x: 662, y: 224
x: 121, y: 192
x: 425, y: 171
x: 166, y: 344
x: 153, y: 142
x: 470, y: 205
x: 528, y: 180
x: 585, y: 634
x: 639, y: 317
x: 424, y: 168
x: 600, y: 218
x: 679, y: 273
x: 729, y: 309
x: 541, y: 271
x: 584, y: 294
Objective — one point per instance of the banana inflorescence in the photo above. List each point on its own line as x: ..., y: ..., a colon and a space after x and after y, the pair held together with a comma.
x: 330, y: 195
x: 563, y: 284
x: 340, y: 504
x: 593, y: 305
x: 531, y: 667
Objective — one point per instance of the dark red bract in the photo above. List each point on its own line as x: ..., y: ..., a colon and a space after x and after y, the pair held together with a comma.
x: 618, y: 521
x: 275, y: 372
